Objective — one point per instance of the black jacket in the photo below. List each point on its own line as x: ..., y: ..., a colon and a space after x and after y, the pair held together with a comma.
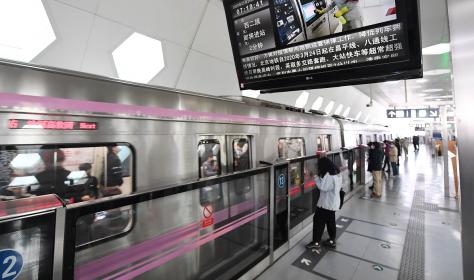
x: 375, y: 160
x: 114, y: 171
x: 52, y: 181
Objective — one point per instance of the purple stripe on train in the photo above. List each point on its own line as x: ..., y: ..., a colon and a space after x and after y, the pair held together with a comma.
x: 118, y: 259
x: 18, y: 101
x: 149, y: 264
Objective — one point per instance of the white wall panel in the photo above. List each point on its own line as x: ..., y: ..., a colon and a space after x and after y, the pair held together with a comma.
x: 72, y: 27
x: 174, y: 20
x: 86, y: 5
x: 208, y: 75
x: 175, y: 56
x: 212, y: 37
x: 105, y: 37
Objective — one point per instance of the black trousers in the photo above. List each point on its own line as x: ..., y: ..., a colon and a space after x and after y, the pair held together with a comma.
x: 386, y: 162
x: 322, y: 218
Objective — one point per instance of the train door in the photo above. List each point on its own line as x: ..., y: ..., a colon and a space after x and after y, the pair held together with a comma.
x: 211, y: 162
x: 239, y: 159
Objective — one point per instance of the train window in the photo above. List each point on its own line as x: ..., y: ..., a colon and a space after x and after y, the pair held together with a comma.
x: 73, y: 172
x: 319, y: 144
x: 241, y: 154
x: 380, y: 138
x: 291, y: 147
x: 368, y: 139
x: 337, y: 161
x: 327, y: 143
x: 209, y: 153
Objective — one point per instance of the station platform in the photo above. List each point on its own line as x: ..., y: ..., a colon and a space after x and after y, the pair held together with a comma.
x: 412, y: 232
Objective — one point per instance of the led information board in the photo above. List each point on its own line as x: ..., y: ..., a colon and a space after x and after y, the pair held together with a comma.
x: 298, y: 44
x: 51, y: 124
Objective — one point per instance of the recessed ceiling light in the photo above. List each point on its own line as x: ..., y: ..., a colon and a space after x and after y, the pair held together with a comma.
x: 432, y: 90
x: 437, y: 49
x: 139, y: 58
x: 329, y: 107
x: 421, y: 81
x: 251, y: 93
x: 318, y: 103
x: 26, y: 29
x: 437, y: 72
x: 338, y: 109
x: 346, y: 112
x: 358, y: 116
x: 302, y: 100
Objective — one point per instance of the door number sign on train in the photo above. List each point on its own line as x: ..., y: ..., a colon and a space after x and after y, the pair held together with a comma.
x: 281, y: 181
x: 11, y: 264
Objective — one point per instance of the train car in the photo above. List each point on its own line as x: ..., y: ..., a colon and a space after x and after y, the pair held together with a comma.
x: 88, y: 138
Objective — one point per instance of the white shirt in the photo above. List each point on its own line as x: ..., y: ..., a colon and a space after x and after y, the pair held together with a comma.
x: 329, y: 185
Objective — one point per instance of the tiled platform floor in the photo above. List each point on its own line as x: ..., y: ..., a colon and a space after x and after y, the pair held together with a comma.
x: 375, y: 232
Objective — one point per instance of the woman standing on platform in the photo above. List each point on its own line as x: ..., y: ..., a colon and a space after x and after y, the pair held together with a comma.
x: 329, y: 182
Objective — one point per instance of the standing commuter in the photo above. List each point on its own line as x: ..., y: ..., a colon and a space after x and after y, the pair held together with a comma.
x: 377, y: 170
x: 399, y: 149
x: 393, y: 159
x: 371, y: 161
x: 112, y: 180
x: 387, y: 156
x: 329, y: 182
x: 416, y: 142
x: 404, y: 144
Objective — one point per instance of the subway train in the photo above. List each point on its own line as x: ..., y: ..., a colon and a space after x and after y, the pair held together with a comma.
x: 88, y: 139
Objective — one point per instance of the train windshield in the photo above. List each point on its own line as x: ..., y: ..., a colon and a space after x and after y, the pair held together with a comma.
x: 291, y: 148
x: 75, y: 173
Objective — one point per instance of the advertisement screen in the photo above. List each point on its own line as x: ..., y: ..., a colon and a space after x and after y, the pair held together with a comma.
x: 341, y: 42
x: 308, y: 11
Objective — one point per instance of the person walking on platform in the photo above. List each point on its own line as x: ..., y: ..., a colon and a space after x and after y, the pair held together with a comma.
x: 416, y: 142
x: 399, y: 149
x: 329, y: 182
x: 377, y: 159
x: 404, y: 144
x: 371, y: 161
x: 393, y: 159
x: 387, y: 156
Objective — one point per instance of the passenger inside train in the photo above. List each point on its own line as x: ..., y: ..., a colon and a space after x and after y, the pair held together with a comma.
x: 69, y: 172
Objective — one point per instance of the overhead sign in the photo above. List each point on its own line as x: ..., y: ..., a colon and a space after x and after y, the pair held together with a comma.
x: 412, y: 113
x: 280, y: 45
x: 399, y: 114
x: 427, y: 113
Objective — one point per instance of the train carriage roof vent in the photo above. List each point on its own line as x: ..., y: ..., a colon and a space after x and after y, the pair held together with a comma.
x: 317, y: 112
x: 271, y: 105
x: 294, y: 109
x: 338, y: 117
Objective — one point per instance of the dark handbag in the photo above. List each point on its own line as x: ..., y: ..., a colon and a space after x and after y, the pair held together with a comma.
x: 341, y: 195
x: 110, y: 191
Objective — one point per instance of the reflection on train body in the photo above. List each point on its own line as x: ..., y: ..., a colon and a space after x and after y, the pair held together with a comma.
x: 233, y: 197
x: 76, y: 174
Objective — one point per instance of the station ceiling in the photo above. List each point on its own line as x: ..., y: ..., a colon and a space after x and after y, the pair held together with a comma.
x: 94, y: 36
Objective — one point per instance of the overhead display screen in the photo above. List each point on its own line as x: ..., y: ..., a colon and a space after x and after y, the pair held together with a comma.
x: 282, y: 45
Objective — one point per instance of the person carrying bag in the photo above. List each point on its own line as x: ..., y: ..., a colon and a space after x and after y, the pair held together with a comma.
x: 329, y: 182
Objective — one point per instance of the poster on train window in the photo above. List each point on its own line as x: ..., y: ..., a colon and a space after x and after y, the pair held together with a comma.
x: 296, y: 44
